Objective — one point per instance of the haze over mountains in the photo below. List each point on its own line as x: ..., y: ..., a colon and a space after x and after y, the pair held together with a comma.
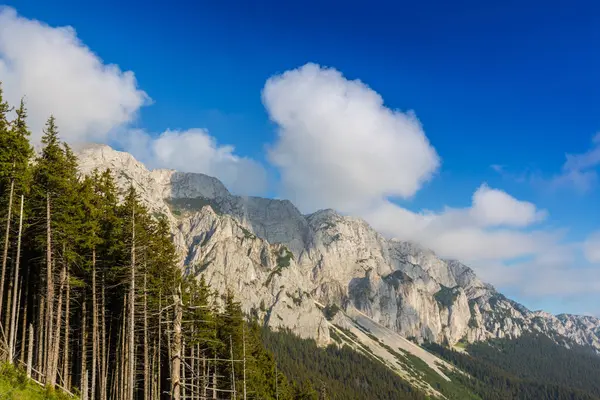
x: 286, y: 267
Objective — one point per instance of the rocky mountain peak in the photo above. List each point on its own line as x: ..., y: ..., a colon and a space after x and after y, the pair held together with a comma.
x: 285, y: 266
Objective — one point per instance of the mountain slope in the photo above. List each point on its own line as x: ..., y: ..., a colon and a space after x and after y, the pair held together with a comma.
x: 279, y: 262
x: 529, y: 367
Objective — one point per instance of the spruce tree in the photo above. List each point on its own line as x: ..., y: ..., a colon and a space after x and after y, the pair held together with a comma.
x: 103, y: 282
x: 15, y: 154
x: 6, y: 153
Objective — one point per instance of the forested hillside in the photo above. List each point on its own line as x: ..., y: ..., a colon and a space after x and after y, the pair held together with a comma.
x: 529, y: 367
x: 337, y: 373
x: 92, y: 300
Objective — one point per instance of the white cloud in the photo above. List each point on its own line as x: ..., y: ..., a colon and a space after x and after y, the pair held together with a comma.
x: 478, y: 233
x: 59, y: 75
x: 195, y: 150
x: 534, y: 264
x: 554, y: 272
x: 592, y: 248
x: 492, y: 207
x: 96, y: 102
x: 338, y: 145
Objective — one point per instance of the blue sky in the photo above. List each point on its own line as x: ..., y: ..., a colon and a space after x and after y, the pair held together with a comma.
x: 512, y: 85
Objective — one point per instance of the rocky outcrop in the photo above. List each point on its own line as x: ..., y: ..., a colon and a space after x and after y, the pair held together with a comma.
x: 279, y: 262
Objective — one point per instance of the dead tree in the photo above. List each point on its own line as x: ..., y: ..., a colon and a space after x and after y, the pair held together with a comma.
x: 84, y: 375
x: 5, y: 252
x: 103, y: 350
x: 66, y: 375
x: 13, y: 324
x: 94, y: 326
x: 30, y: 351
x: 24, y: 323
x: 49, y: 290
x: 176, y: 346
x: 40, y: 338
x: 131, y: 327
x: 146, y: 342
x: 232, y: 367
x: 55, y: 351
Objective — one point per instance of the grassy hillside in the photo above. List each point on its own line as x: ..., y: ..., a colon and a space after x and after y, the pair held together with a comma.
x: 15, y: 385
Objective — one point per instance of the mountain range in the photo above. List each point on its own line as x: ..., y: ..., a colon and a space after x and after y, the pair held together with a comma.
x: 326, y: 275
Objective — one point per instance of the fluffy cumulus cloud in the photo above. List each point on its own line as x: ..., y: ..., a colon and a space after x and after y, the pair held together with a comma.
x: 59, y: 75
x: 339, y: 145
x: 195, y: 150
x: 492, y: 207
x: 96, y: 102
x: 478, y: 233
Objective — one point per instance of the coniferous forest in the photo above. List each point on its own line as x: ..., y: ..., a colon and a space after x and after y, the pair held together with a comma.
x: 529, y: 367
x: 336, y: 373
x: 92, y: 300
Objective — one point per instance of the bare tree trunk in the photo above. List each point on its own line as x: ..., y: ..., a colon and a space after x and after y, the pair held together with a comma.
x: 146, y: 343
x: 233, y: 393
x: 16, y: 315
x: 154, y: 390
x: 123, y: 376
x: 94, y: 326
x: 49, y: 290
x: 159, y: 340
x: 15, y: 321
x: 5, y: 252
x: 56, y: 349
x: 204, y: 375
x: 84, y: 391
x: 66, y: 374
x: 6, y: 324
x: 182, y: 379
x: 40, y: 340
x: 193, y: 367
x: 244, y: 350
x: 169, y: 348
x: 103, y: 350
x: 118, y: 370
x: 24, y: 323
x: 131, y: 334
x: 13, y: 324
x: 126, y: 363
x: 177, y: 344
x: 215, y: 380
x: 30, y: 351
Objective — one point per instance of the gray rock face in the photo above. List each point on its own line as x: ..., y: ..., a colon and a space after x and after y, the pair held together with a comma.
x: 279, y: 262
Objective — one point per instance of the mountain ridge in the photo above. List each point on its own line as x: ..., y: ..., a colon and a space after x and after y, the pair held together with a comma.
x: 279, y: 262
